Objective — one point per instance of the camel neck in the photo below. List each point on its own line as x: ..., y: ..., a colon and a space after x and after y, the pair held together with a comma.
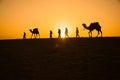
x: 86, y: 27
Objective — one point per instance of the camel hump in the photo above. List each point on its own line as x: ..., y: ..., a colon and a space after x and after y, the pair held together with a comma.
x: 95, y: 24
x: 35, y: 30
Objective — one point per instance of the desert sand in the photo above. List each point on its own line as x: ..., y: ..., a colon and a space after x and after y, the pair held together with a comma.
x: 60, y: 59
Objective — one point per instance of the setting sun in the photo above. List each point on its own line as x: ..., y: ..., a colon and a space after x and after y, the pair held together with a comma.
x: 62, y: 27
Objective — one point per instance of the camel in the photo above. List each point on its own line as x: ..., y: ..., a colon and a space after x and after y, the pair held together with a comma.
x: 34, y: 32
x: 93, y: 26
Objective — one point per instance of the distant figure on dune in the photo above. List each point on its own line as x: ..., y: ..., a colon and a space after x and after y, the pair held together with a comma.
x: 24, y: 35
x: 93, y: 26
x: 66, y: 32
x: 51, y: 33
x: 59, y: 33
x: 77, y: 32
x: 35, y: 32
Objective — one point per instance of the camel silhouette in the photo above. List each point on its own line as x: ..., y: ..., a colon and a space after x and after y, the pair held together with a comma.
x: 34, y: 32
x: 93, y: 26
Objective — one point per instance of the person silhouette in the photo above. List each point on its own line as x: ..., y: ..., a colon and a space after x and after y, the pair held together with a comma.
x: 24, y: 35
x: 77, y: 32
x: 66, y: 32
x: 59, y: 33
x: 51, y: 33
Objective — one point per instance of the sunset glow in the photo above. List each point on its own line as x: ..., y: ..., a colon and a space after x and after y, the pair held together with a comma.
x: 18, y: 16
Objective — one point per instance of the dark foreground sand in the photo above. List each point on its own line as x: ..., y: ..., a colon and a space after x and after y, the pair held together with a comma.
x: 60, y: 59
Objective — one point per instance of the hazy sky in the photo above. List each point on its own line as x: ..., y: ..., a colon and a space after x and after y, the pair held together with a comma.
x: 18, y: 16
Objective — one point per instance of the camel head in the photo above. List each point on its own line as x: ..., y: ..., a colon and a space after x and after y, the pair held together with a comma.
x: 85, y: 27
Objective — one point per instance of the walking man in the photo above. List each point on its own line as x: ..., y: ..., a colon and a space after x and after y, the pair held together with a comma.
x: 59, y: 33
x: 66, y: 32
x: 24, y: 35
x: 51, y: 33
x: 77, y: 32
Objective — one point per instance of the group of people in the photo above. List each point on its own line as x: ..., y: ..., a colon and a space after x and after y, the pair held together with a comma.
x: 66, y: 33
x: 59, y: 33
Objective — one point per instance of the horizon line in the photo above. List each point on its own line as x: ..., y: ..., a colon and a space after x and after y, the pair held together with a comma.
x: 60, y: 38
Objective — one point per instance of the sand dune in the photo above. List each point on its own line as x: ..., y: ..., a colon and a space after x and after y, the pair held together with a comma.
x: 60, y: 59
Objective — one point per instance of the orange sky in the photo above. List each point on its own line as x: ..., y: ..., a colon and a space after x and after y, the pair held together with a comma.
x: 18, y: 16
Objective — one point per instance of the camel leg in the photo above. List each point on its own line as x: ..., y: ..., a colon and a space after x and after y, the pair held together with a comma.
x: 31, y: 36
x: 98, y: 34
x: 101, y: 33
x: 90, y: 34
x: 35, y: 36
x: 39, y: 35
